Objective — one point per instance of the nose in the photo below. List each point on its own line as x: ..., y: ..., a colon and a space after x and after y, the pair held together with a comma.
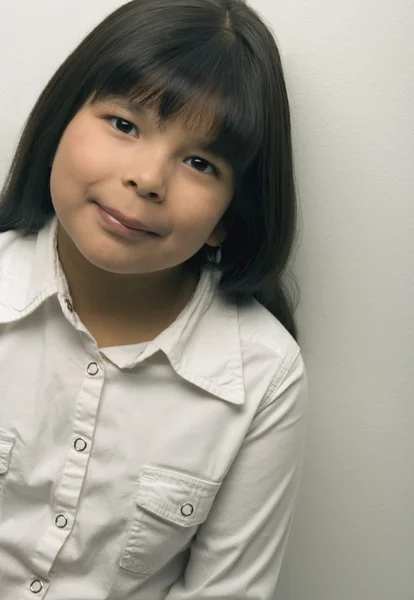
x: 147, y: 177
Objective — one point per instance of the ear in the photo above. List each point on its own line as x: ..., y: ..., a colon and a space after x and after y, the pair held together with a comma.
x: 217, y: 237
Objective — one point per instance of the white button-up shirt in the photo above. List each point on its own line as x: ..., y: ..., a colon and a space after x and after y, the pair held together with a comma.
x: 159, y: 471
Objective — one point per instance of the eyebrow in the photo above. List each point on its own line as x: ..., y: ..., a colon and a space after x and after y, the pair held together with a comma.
x: 135, y: 108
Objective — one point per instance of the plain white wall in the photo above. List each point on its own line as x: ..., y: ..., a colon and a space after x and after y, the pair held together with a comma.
x: 349, y: 68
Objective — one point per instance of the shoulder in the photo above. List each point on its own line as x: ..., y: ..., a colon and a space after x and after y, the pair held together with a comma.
x: 259, y: 328
x: 269, y: 352
x: 23, y: 273
x: 8, y: 239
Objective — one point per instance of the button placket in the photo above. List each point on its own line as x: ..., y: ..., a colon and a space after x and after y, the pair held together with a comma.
x: 68, y: 494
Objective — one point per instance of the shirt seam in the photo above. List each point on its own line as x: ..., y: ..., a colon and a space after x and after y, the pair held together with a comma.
x: 277, y: 381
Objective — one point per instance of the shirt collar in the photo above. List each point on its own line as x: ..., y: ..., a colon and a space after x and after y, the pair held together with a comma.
x: 194, y: 344
x: 27, y: 271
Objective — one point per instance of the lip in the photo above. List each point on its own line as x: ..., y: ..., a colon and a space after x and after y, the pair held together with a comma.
x: 121, y: 225
x: 124, y: 220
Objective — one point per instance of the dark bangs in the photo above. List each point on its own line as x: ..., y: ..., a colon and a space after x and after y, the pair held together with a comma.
x: 192, y: 68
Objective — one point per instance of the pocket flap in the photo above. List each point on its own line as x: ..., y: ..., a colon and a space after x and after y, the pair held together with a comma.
x: 174, y: 496
x: 6, y: 446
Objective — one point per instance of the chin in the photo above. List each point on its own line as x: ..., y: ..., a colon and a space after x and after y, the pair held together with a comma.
x: 122, y: 265
x: 116, y: 267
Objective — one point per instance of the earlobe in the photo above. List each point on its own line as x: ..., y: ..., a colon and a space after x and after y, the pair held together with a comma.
x: 217, y: 237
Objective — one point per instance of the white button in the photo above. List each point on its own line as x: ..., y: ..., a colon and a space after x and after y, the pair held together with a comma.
x: 36, y: 586
x: 69, y: 305
x: 61, y: 521
x: 80, y: 445
x: 92, y: 369
x: 187, y: 510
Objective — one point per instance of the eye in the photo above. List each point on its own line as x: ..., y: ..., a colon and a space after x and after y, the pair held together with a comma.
x: 202, y: 165
x: 123, y: 125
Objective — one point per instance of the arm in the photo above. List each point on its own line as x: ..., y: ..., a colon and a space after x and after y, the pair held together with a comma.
x: 238, y: 551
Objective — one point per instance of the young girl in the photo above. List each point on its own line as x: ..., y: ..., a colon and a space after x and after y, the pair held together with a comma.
x: 151, y: 405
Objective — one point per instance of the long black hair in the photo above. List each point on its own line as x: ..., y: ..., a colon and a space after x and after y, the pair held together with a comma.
x: 176, y: 54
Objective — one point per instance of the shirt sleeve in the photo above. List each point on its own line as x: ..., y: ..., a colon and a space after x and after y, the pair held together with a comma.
x: 237, y: 553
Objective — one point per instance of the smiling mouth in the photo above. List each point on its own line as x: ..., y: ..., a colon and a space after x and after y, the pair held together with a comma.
x: 125, y: 220
x: 122, y: 225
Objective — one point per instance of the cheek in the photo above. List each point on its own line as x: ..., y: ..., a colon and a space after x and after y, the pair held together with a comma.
x: 201, y: 200
x: 208, y: 208
x: 196, y: 220
x: 79, y: 160
x: 198, y: 217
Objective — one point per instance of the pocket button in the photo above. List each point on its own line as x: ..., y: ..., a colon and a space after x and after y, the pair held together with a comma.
x: 187, y: 510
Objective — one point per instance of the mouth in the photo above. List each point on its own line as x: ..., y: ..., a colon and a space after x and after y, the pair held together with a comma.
x: 122, y: 224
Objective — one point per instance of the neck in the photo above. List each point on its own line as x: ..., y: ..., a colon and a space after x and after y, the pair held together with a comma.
x: 121, y: 309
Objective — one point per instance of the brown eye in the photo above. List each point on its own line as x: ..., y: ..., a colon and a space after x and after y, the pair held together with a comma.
x: 202, y: 165
x: 123, y: 126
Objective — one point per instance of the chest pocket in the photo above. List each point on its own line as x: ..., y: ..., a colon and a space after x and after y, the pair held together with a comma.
x: 6, y: 447
x: 169, y: 508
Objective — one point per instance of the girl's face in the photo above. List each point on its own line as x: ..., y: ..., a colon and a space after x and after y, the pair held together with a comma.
x: 133, y: 197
